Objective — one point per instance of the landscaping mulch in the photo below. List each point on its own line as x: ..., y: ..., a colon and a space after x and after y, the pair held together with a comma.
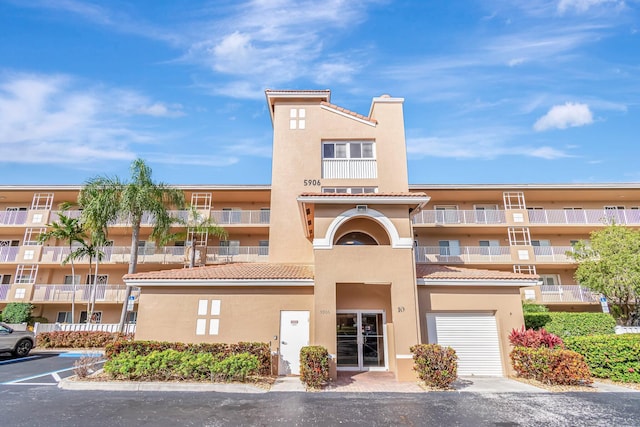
x: 556, y: 388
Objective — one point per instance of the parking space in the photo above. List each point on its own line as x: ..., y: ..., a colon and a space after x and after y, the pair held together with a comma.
x: 37, y: 369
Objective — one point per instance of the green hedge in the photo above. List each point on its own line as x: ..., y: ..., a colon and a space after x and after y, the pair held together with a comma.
x: 437, y: 366
x: 219, y: 350
x: 616, y: 357
x: 571, y: 324
x: 314, y: 366
x: 173, y: 365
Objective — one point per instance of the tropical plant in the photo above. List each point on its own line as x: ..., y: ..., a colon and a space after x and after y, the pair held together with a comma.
x: 17, y: 312
x: 90, y: 250
x: 134, y: 198
x: 609, y: 265
x: 198, y: 227
x: 70, y: 231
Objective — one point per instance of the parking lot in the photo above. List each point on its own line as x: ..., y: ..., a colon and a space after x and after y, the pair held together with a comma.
x: 40, y: 368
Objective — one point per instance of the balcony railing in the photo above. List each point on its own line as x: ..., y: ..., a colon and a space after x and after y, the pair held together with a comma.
x: 13, y: 217
x: 8, y: 253
x: 222, y: 217
x: 64, y: 293
x: 4, y: 292
x: 463, y: 254
x: 443, y: 217
x: 553, y: 254
x: 162, y: 255
x: 567, y: 293
x: 584, y: 216
x: 349, y: 169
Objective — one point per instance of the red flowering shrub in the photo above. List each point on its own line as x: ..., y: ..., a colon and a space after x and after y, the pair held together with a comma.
x: 551, y: 366
x: 437, y: 366
x: 314, y: 366
x: 531, y: 338
x: 79, y: 339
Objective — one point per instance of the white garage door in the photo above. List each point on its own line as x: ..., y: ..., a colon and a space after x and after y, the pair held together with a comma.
x: 474, y: 337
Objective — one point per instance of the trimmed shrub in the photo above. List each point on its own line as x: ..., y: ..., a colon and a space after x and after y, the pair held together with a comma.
x: 551, y: 366
x: 536, y: 320
x: 79, y: 339
x: 314, y: 366
x: 571, y: 324
x: 616, y: 357
x: 534, y: 339
x: 437, y: 366
x: 534, y: 308
x: 17, y: 312
x: 236, y: 367
x: 219, y: 350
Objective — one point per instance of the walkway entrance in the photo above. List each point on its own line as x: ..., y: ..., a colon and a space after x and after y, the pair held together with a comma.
x: 361, y: 340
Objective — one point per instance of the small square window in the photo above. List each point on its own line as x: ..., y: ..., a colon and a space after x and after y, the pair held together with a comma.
x: 20, y: 293
x: 214, y: 326
x: 37, y: 218
x: 29, y: 254
x: 201, y: 325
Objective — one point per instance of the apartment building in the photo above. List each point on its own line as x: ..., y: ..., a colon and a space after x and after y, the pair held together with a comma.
x: 340, y: 251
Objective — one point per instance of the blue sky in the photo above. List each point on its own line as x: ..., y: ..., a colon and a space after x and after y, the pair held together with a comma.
x: 495, y: 91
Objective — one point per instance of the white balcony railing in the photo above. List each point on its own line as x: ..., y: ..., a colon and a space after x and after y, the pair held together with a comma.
x: 13, y: 217
x: 39, y: 328
x: 8, y: 253
x: 567, y: 293
x: 222, y: 217
x: 584, y: 216
x: 463, y: 254
x: 161, y: 255
x: 4, y: 292
x: 216, y: 254
x: 64, y: 293
x: 443, y: 217
x: 349, y: 169
x: 553, y: 254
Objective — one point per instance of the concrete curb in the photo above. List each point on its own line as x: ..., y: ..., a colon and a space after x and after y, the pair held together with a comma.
x: 67, y: 384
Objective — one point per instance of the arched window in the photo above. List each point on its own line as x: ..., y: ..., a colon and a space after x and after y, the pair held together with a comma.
x: 356, y: 238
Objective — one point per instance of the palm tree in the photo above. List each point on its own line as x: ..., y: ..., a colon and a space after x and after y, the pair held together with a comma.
x: 197, y: 225
x: 99, y: 208
x: 132, y: 200
x: 90, y: 250
x: 69, y: 230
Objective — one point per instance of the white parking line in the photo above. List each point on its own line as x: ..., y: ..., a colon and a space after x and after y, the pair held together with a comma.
x: 14, y: 382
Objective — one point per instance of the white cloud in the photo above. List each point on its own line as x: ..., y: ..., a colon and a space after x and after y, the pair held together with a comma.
x: 564, y: 116
x: 584, y: 5
x: 487, y: 143
x: 54, y: 119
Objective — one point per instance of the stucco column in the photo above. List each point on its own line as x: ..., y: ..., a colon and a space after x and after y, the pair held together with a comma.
x: 324, y: 315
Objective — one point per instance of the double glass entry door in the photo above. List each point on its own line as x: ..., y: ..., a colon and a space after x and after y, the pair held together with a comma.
x: 360, y: 336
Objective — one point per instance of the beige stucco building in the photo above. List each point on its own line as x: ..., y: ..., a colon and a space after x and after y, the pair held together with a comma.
x: 340, y: 251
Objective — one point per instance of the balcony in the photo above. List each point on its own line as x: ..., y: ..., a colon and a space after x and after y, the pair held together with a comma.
x: 584, y: 216
x: 162, y: 255
x: 567, y: 294
x: 64, y: 293
x: 9, y: 253
x: 349, y: 169
x: 4, y: 292
x: 464, y: 255
x: 553, y: 254
x: 13, y: 217
x: 455, y: 217
x: 221, y: 217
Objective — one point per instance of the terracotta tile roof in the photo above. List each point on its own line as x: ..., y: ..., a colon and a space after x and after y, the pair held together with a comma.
x: 236, y: 271
x: 351, y: 113
x: 414, y: 194
x: 435, y: 271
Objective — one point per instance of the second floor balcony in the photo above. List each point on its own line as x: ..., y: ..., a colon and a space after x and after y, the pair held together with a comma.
x: 9, y: 253
x: 567, y: 294
x: 453, y: 217
x: 163, y: 254
x: 13, y: 217
x: 83, y: 293
x: 491, y: 255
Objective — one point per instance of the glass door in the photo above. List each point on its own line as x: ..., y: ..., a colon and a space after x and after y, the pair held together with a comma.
x: 361, y: 340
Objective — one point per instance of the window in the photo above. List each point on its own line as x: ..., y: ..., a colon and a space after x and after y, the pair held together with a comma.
x: 146, y: 248
x: 20, y: 293
x: 265, y: 215
x: 68, y: 279
x: 229, y: 247
x: 28, y: 254
x: 297, y: 118
x: 541, y: 243
x: 489, y: 247
x: 574, y: 215
x: 132, y: 316
x: 550, y: 279
x: 263, y: 247
x: 449, y: 247
x: 231, y: 215
x: 348, y: 150
x: 6, y: 279
x: 484, y: 213
x: 446, y: 214
x: 96, y: 317
x: 64, y: 317
x: 350, y: 190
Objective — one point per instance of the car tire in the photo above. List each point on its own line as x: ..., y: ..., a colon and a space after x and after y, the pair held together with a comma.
x: 22, y: 348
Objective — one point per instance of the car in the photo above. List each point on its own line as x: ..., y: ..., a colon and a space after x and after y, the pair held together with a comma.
x: 18, y: 343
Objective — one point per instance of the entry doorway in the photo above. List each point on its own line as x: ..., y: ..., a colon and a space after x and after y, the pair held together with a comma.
x: 361, y: 339
x: 294, y: 334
